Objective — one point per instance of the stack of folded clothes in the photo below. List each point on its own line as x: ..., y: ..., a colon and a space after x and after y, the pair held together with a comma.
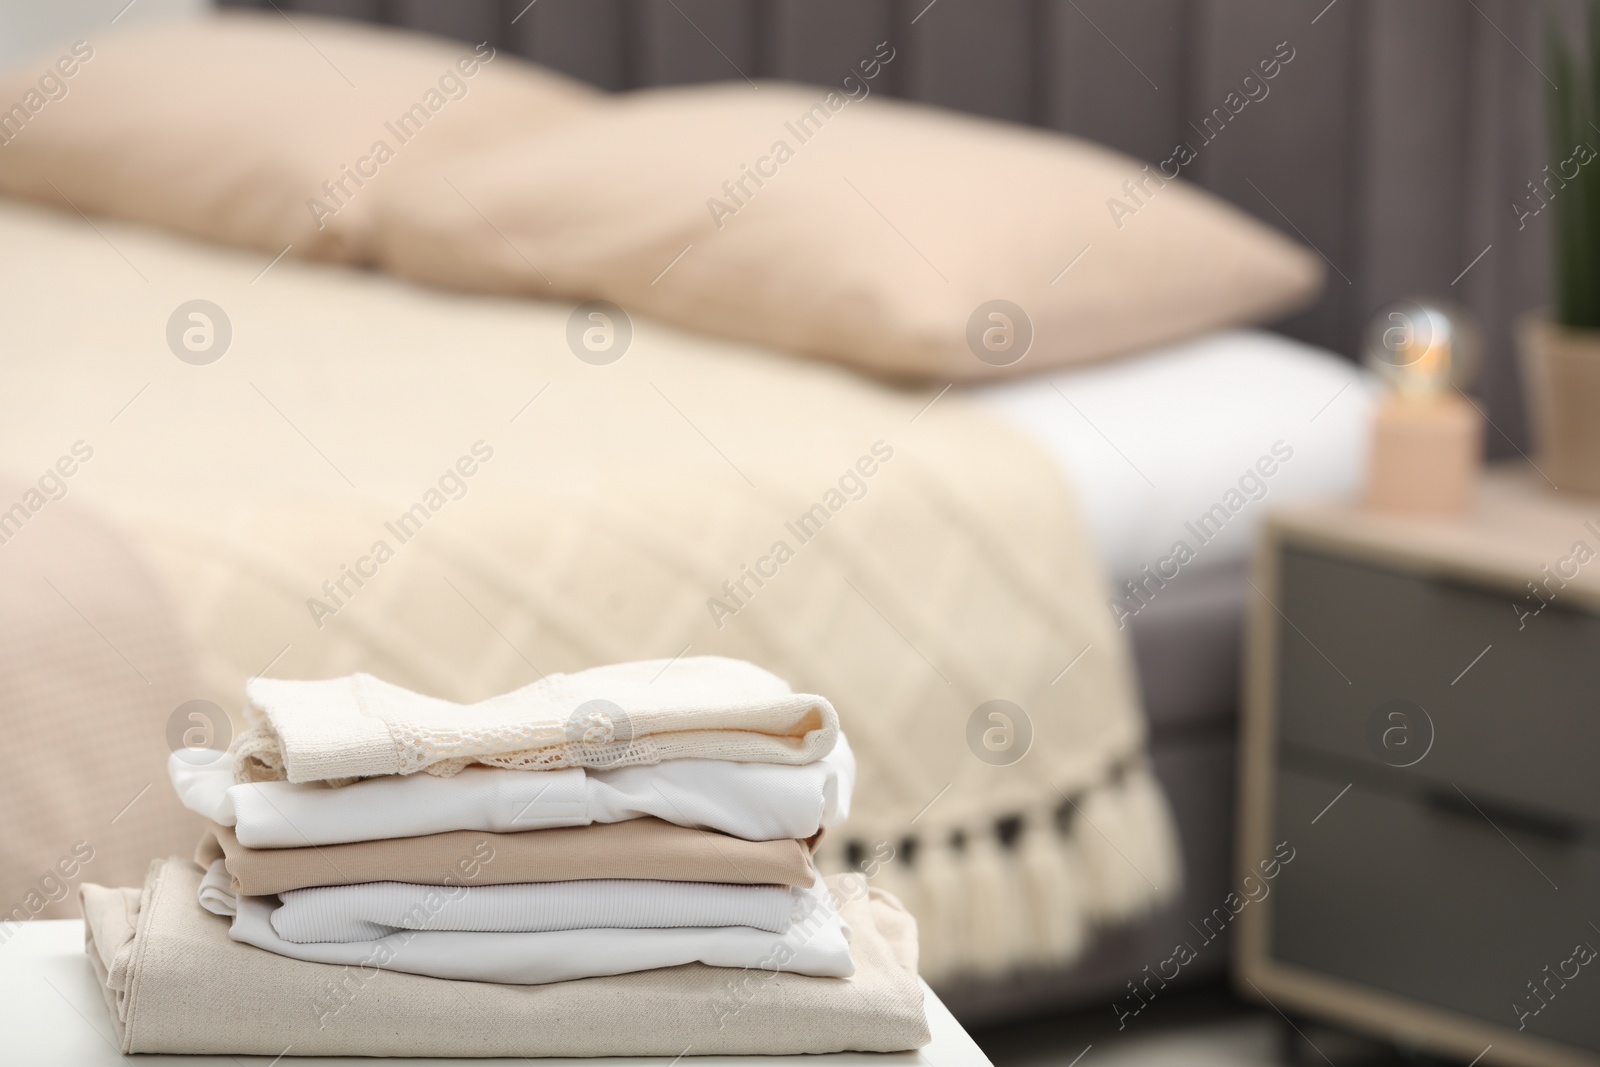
x: 613, y: 862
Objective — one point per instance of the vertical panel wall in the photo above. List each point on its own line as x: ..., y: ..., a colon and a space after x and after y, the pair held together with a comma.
x: 587, y: 39
x: 1412, y: 199
x: 682, y: 41
x: 1292, y: 157
x: 972, y: 55
x: 468, y: 20
x: 820, y: 41
x: 1506, y: 149
x: 1115, y: 72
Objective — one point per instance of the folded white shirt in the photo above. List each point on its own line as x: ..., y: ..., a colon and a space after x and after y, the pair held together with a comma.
x: 368, y: 911
x: 755, y: 801
x: 816, y: 943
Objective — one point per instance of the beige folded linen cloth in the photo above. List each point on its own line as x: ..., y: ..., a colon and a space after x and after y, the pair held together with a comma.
x: 637, y: 848
x: 706, y: 707
x: 176, y: 983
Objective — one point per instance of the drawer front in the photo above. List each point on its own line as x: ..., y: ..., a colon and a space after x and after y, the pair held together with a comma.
x: 1435, y: 905
x: 1518, y: 731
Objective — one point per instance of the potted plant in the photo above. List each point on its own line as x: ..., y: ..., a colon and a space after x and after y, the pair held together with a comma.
x: 1561, y: 350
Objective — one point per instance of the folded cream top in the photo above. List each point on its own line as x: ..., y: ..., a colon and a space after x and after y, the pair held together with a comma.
x: 637, y: 848
x: 707, y: 707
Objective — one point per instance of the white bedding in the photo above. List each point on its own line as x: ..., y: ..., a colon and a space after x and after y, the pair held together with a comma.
x: 1153, y: 442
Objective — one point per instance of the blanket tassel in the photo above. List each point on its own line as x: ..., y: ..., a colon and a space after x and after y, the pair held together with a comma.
x: 1030, y: 889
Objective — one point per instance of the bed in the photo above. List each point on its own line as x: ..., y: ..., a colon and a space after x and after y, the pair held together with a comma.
x: 945, y: 547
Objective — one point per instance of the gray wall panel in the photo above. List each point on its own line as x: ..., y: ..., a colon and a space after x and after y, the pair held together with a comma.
x: 1411, y: 240
x: 1290, y: 158
x: 1505, y: 112
x: 587, y: 39
x: 683, y: 41
x: 1113, y: 72
x: 820, y: 41
x: 366, y: 10
x: 972, y: 55
x: 467, y: 20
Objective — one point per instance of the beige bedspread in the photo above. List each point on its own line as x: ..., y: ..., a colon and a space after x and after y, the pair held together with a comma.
x: 434, y: 489
x: 92, y: 665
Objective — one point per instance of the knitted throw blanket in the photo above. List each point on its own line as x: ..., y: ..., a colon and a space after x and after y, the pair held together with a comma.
x: 706, y: 707
x: 912, y: 562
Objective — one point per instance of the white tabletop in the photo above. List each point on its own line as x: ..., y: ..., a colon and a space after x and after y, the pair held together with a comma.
x: 52, y: 1012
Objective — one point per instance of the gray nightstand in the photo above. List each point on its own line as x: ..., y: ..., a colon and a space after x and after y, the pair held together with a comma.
x: 1422, y: 730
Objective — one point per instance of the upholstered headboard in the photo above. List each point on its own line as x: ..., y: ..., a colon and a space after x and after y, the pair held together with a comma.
x: 1397, y: 140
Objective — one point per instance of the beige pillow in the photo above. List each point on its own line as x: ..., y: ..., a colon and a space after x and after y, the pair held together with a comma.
x: 871, y: 232
x: 228, y: 127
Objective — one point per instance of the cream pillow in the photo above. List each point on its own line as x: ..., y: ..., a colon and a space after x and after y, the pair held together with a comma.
x: 873, y: 232
x: 228, y: 127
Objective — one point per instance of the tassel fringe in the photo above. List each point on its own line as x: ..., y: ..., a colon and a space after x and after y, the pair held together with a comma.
x: 1028, y: 891
x: 1053, y: 894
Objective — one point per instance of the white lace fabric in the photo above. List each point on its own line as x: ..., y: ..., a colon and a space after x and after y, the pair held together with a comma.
x: 627, y: 714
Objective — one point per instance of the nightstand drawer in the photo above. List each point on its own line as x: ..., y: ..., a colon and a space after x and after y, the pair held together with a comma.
x: 1436, y: 906
x: 1514, y: 704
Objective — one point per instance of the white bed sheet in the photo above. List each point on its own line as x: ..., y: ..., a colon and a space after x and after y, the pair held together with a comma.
x: 1153, y: 442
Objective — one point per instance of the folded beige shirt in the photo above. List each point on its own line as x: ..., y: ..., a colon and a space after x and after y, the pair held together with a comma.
x: 176, y: 983
x: 636, y: 848
x: 704, y: 707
